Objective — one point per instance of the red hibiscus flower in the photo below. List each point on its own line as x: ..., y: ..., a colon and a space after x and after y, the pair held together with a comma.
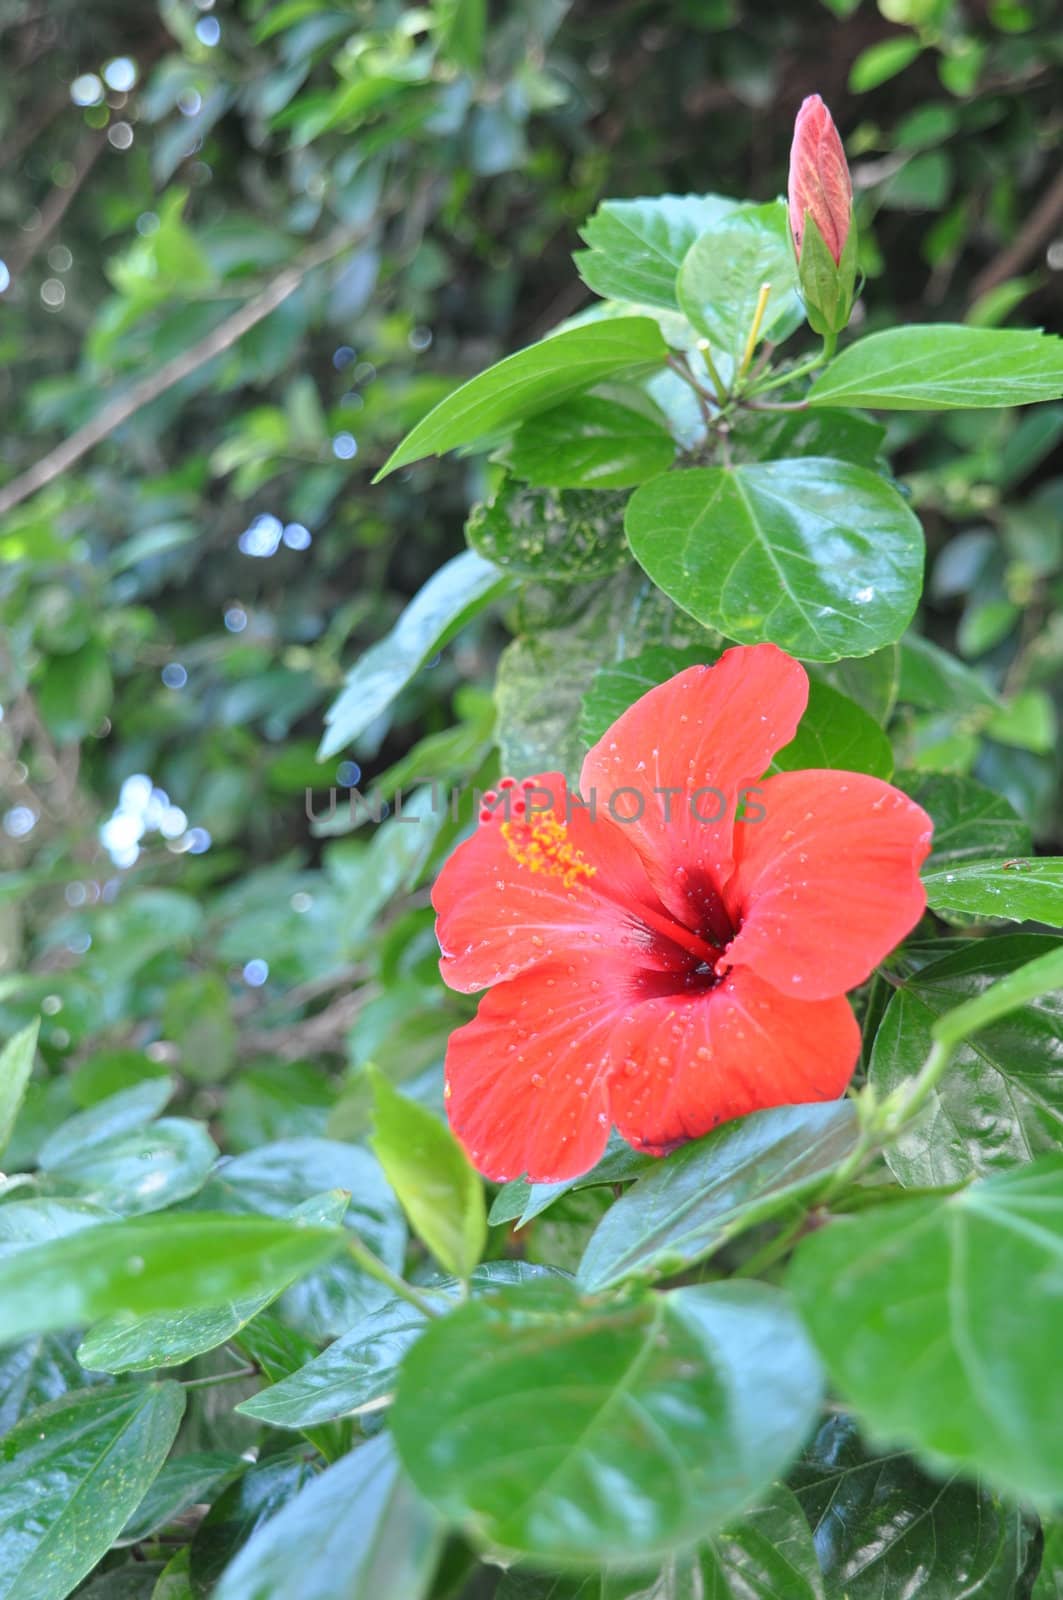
x: 653, y: 962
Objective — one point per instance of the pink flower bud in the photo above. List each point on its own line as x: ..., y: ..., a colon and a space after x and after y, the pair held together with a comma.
x: 820, y: 186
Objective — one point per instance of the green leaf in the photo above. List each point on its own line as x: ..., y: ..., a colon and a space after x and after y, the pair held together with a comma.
x: 279, y: 1352
x: 944, y: 367
x: 277, y: 1177
x: 708, y: 1191
x: 533, y: 380
x: 168, y: 1339
x: 439, y: 1191
x: 638, y: 246
x: 16, y: 1064
x: 590, y: 443
x: 74, y: 692
x: 935, y: 681
x: 880, y: 62
x: 617, y: 686
x: 685, y: 1404
x: 175, y: 1581
x: 767, y: 1555
x: 1025, y: 889
x: 924, y: 1315
x: 542, y: 675
x: 125, y: 1112
x: 720, y: 280
x: 1049, y: 1585
x: 563, y: 535
x: 879, y: 1524
x: 257, y: 1496
x: 358, y: 1372
x: 970, y: 821
x: 184, y: 1481
x: 71, y: 1475
x: 775, y: 436
x: 356, y: 1532
x: 36, y: 1371
x: 141, y: 1171
x: 521, y: 1201
x: 835, y: 732
x: 869, y: 680
x: 821, y: 557
x: 1001, y: 1101
x: 450, y: 599
x: 156, y: 1263
x: 28, y: 1222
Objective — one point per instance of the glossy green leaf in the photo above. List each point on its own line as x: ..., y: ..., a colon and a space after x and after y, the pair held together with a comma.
x: 439, y: 1191
x: 543, y: 673
x: 36, y: 1371
x: 871, y: 681
x: 1049, y: 1585
x: 780, y: 436
x: 359, y: 1371
x: 259, y: 1495
x: 356, y: 1373
x: 141, y: 1171
x: 277, y: 1177
x: 933, y: 680
x: 971, y: 822
x: 461, y: 588
x: 125, y: 1112
x: 531, y: 381
x: 766, y: 1555
x: 29, y: 1222
x: 175, y: 1580
x: 618, y: 685
x: 16, y: 1064
x: 944, y: 367
x: 520, y: 1201
x: 1021, y: 889
x: 560, y: 535
x: 590, y: 443
x: 356, y: 1532
x: 184, y: 1481
x: 708, y: 1191
x: 835, y: 732
x: 818, y: 556
x: 70, y: 1476
x: 720, y: 280
x: 604, y: 1432
x: 924, y: 1315
x: 1001, y: 1100
x: 879, y: 1524
x: 168, y: 1338
x: 638, y: 246
x: 279, y: 1352
x: 147, y: 1264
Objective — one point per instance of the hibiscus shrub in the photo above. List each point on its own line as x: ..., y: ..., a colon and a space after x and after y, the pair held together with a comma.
x: 764, y: 1075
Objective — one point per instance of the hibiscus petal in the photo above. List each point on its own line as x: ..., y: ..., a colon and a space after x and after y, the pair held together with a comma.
x: 705, y: 735
x: 686, y: 1063
x: 498, y: 916
x: 526, y: 1079
x: 827, y: 883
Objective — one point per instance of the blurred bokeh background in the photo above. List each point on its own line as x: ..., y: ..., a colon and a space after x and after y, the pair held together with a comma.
x: 242, y: 248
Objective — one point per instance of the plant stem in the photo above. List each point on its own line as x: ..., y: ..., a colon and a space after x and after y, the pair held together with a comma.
x: 801, y: 371
x: 705, y: 351
x: 220, y: 1377
x: 373, y: 1265
x: 754, y: 329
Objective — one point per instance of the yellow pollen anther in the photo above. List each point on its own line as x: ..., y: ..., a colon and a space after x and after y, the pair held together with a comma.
x: 543, y: 846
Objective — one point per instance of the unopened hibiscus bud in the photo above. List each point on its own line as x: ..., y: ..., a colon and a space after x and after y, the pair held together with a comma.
x: 821, y: 218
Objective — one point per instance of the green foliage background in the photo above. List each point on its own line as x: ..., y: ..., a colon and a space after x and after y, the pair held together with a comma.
x: 404, y: 187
